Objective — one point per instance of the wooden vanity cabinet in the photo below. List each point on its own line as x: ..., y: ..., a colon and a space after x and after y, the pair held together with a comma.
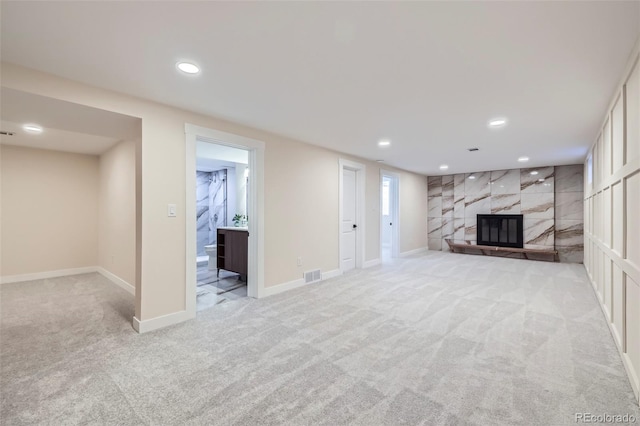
x: 232, y: 249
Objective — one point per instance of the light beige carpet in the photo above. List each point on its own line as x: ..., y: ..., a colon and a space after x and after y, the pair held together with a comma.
x: 435, y: 339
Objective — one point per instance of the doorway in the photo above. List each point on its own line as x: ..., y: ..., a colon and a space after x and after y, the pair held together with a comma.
x: 351, y: 224
x: 222, y: 181
x: 389, y: 212
x: 234, y: 217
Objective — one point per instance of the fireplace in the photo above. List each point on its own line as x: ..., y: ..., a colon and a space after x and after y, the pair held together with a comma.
x: 504, y: 230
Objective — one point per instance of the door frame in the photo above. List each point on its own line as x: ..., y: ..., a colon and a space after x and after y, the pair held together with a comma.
x: 255, y: 209
x: 394, y: 207
x: 360, y: 170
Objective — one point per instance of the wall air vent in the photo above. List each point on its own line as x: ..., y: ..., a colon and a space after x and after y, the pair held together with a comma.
x: 473, y: 149
x: 3, y: 133
x: 312, y: 276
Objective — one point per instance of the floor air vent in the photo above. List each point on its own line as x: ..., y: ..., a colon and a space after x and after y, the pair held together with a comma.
x: 312, y: 276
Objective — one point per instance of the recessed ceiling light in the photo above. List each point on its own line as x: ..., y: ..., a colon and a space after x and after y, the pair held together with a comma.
x: 32, y: 128
x: 497, y: 122
x: 444, y: 167
x: 541, y: 180
x: 380, y: 161
x: 384, y: 142
x: 533, y: 173
x: 472, y: 177
x: 188, y: 67
x: 523, y: 159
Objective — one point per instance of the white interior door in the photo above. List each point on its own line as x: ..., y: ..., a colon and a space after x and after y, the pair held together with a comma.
x: 348, y: 229
x: 389, y: 214
x: 387, y: 218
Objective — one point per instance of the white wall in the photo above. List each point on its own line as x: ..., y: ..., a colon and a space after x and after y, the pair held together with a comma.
x: 612, y: 218
x: 301, y: 194
x: 117, y: 211
x: 241, y: 189
x: 49, y: 210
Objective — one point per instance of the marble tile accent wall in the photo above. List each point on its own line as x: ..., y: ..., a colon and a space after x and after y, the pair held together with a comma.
x: 569, y: 216
x: 550, y: 198
x: 217, y: 203
x: 203, y: 179
x: 211, y: 207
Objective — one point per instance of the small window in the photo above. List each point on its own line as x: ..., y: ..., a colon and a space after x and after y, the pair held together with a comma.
x: 590, y: 169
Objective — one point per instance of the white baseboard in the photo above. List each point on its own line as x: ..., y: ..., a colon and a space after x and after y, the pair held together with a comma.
x: 146, y: 326
x: 414, y: 251
x: 116, y: 280
x: 280, y: 288
x: 331, y: 274
x: 370, y: 263
x: 7, y: 279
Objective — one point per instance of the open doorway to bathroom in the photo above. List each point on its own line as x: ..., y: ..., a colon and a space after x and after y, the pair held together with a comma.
x: 224, y: 218
x: 389, y: 208
x: 222, y: 182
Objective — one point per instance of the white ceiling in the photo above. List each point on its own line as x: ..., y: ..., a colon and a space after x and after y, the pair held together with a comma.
x: 427, y: 75
x: 67, y: 126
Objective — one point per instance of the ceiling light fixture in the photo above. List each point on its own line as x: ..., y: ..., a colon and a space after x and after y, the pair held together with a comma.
x: 533, y: 173
x: 523, y: 159
x: 444, y: 167
x: 32, y: 128
x: 541, y: 180
x: 384, y: 142
x: 188, y: 67
x: 497, y: 123
x: 472, y: 177
x: 380, y: 161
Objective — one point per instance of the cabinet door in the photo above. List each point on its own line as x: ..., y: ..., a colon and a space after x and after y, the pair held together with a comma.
x: 237, y: 252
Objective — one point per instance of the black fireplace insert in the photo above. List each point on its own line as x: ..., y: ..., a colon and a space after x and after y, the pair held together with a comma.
x: 503, y: 230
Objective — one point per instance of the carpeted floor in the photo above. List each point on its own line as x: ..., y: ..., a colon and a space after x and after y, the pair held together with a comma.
x: 434, y: 339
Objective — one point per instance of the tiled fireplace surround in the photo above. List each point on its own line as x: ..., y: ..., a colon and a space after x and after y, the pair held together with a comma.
x: 550, y: 200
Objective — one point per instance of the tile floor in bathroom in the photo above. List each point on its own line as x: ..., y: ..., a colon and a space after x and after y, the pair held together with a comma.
x: 212, y: 290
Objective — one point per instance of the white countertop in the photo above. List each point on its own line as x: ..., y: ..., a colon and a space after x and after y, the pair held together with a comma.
x: 234, y: 228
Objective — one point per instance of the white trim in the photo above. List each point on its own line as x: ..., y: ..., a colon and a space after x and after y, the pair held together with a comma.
x: 331, y: 274
x: 116, y: 280
x: 395, y: 209
x: 256, y: 149
x: 161, y: 321
x: 414, y: 251
x: 371, y: 263
x: 361, y: 174
x: 281, y: 288
x: 8, y: 279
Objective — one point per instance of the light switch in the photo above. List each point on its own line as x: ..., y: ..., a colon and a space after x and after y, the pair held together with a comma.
x: 171, y: 210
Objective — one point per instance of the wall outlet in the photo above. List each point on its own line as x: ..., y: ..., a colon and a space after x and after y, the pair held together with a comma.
x: 299, y: 261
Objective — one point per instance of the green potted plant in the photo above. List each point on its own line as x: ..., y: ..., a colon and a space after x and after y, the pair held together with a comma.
x: 240, y: 220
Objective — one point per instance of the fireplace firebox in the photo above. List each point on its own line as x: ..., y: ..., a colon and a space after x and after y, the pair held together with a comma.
x: 503, y: 230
